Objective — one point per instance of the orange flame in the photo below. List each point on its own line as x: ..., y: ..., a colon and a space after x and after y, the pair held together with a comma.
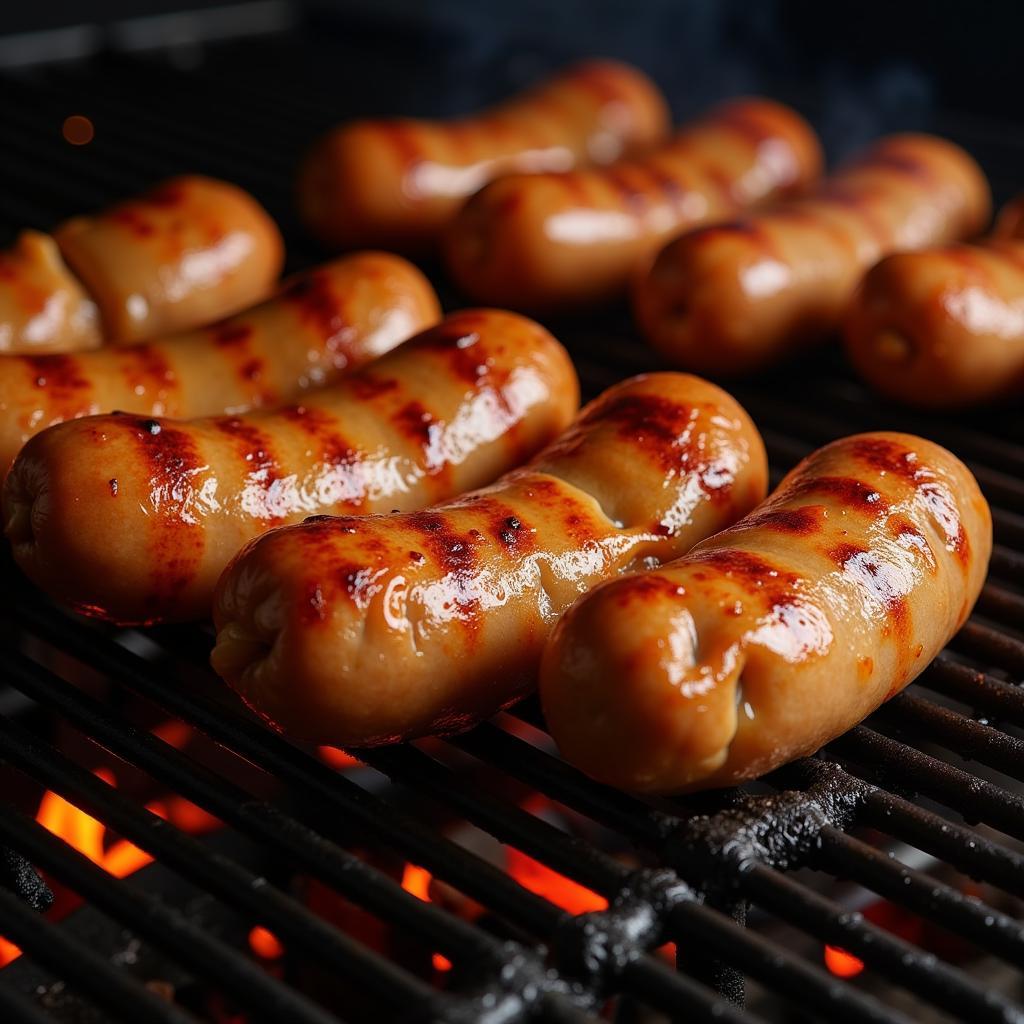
x: 841, y: 963
x: 265, y: 944
x: 416, y: 880
x: 87, y: 835
x: 543, y: 881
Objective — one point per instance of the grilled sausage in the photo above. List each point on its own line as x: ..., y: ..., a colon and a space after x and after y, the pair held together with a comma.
x: 43, y: 308
x: 944, y: 328
x: 363, y: 631
x: 1010, y: 223
x: 550, y: 241
x: 324, y: 322
x: 775, y: 636
x: 397, y: 183
x: 737, y: 296
x: 191, y: 251
x: 134, y: 519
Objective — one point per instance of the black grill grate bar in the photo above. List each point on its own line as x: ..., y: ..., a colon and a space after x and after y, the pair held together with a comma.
x: 16, y: 1008
x: 898, y: 960
x: 318, y: 784
x: 991, y: 645
x: 584, y: 864
x: 638, y: 977
x: 981, y: 924
x: 298, y: 927
x: 159, y: 924
x: 903, y: 766
x: 912, y: 717
x: 1006, y: 563
x: 957, y: 845
x: 75, y: 962
x: 1003, y: 605
x: 981, y: 691
x: 268, y: 824
x: 922, y: 973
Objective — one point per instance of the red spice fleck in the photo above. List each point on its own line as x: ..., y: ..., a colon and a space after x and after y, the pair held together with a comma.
x: 231, y: 332
x: 112, y: 484
x: 252, y: 370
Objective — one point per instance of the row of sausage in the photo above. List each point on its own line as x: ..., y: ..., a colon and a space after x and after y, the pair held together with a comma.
x: 737, y: 253
x: 400, y: 553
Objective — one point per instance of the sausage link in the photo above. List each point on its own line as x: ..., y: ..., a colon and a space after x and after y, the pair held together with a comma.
x: 737, y: 296
x: 550, y: 241
x: 775, y: 636
x: 324, y: 322
x: 1010, y: 223
x: 363, y: 631
x: 944, y: 328
x: 397, y: 183
x: 43, y: 308
x: 134, y: 519
x: 190, y: 251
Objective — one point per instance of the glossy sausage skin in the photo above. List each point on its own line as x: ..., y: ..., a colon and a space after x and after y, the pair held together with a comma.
x: 43, y: 308
x: 550, y: 241
x: 944, y: 328
x: 325, y: 321
x: 775, y: 636
x: 363, y: 631
x: 191, y: 251
x: 397, y: 183
x: 134, y: 519
x: 737, y: 296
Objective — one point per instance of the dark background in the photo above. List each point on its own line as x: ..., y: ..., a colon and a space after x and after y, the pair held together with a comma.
x: 240, y: 90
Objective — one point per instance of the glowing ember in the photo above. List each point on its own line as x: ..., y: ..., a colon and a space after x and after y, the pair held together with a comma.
x: 8, y: 952
x: 562, y: 891
x: 841, y: 963
x: 78, y: 130
x: 416, y: 880
x: 336, y: 758
x: 86, y: 834
x: 265, y: 944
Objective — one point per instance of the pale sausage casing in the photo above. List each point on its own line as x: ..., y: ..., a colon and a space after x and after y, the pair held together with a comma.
x: 324, y: 322
x: 191, y: 251
x: 775, y: 636
x: 360, y: 631
x: 43, y: 307
x: 944, y: 328
x: 549, y: 241
x: 134, y: 519
x: 737, y: 296
x: 397, y: 183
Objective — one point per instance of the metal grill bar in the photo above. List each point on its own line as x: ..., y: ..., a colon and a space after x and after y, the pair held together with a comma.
x: 75, y: 961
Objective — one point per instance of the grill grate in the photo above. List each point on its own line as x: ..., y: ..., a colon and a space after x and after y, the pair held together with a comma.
x: 734, y: 879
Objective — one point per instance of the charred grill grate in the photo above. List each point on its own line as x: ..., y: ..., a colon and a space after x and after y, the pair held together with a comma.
x: 733, y: 879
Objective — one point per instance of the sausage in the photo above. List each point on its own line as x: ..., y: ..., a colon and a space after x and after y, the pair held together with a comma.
x: 363, y: 631
x: 43, y: 308
x: 1010, y: 223
x: 191, y: 251
x: 943, y: 328
x: 551, y: 241
x: 134, y: 519
x: 324, y: 322
x: 735, y: 297
x: 775, y: 636
x: 397, y: 183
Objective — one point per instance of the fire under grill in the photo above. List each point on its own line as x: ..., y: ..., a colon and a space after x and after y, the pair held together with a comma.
x: 205, y: 868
